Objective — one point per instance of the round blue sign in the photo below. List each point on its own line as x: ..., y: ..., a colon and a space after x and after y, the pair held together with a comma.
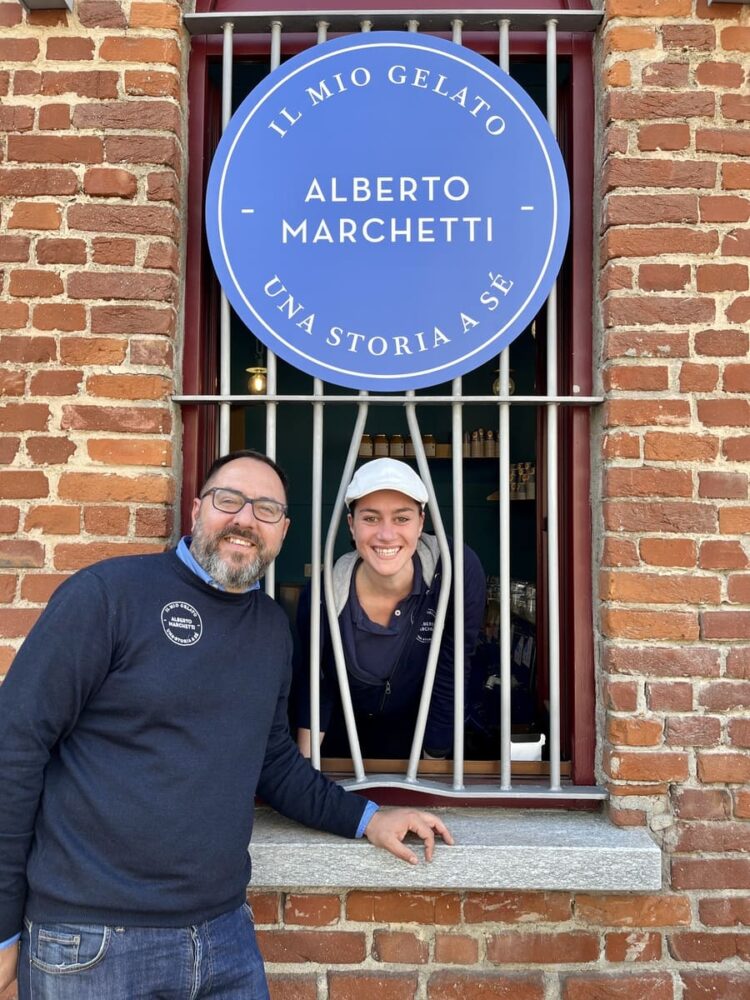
x: 387, y: 211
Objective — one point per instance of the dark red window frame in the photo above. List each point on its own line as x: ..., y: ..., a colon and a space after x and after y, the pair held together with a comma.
x: 200, y: 373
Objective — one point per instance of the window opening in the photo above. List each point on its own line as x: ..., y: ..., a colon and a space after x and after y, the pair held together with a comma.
x: 514, y: 467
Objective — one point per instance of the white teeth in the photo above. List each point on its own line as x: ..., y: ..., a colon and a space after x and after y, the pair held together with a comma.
x: 384, y: 553
x: 239, y: 541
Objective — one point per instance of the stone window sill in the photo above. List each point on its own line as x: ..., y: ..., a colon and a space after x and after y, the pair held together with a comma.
x: 534, y: 850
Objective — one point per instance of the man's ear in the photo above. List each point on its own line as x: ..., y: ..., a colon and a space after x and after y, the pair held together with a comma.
x: 194, y: 512
x: 350, y: 522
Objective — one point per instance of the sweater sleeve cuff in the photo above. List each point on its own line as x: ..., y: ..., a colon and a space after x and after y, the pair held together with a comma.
x: 12, y: 940
x: 370, y: 809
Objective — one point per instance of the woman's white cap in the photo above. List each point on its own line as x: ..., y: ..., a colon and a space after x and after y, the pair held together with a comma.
x: 386, y: 474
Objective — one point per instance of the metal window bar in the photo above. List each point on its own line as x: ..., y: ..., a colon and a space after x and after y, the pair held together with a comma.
x: 501, y: 21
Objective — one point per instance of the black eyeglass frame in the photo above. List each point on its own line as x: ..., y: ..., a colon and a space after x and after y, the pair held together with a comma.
x: 283, y: 508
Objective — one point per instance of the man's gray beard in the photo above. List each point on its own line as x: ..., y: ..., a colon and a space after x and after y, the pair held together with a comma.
x: 235, y: 576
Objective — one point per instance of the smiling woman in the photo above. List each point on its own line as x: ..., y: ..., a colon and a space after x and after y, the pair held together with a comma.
x: 386, y: 593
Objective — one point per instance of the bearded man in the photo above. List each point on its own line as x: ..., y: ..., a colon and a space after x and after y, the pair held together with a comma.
x: 141, y: 716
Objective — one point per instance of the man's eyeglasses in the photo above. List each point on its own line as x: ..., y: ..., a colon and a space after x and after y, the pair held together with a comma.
x: 232, y: 502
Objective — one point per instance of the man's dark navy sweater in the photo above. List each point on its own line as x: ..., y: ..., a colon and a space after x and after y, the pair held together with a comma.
x: 140, y: 717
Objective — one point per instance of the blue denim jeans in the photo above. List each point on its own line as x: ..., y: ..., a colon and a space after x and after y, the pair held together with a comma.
x: 217, y: 959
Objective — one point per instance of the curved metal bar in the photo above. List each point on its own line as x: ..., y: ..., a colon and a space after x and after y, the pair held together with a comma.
x: 333, y: 622
x: 445, y: 587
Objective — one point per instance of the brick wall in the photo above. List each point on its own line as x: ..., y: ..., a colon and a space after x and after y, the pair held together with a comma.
x: 91, y: 151
x: 91, y: 246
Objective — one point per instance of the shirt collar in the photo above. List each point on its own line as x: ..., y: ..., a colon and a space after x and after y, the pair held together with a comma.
x: 186, y: 556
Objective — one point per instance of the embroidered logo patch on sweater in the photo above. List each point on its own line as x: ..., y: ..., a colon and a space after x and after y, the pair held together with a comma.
x: 181, y: 623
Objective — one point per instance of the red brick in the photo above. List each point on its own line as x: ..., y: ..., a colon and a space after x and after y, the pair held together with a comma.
x: 31, y: 284
x: 100, y: 486
x: 738, y: 731
x: 635, y: 209
x: 403, y: 907
x: 719, y: 74
x: 722, y: 278
x: 680, y: 447
x: 106, y: 520
x: 130, y: 419
x: 667, y: 551
x: 154, y: 522
x: 604, y: 986
x: 24, y: 417
x: 663, y: 277
x: 739, y: 310
x: 54, y: 116
x: 722, y: 343
x: 35, y: 215
x: 725, y: 624
x: 8, y: 450
x: 120, y: 285
x: 738, y: 663
x: 634, y: 732
x: 716, y: 838
x: 132, y: 319
x: 122, y: 115
x: 701, y: 803
x: 16, y: 622
x: 140, y: 50
x: 354, y: 985
x: 662, y: 136
x: 134, y: 219
x: 723, y: 208
x: 647, y: 481
x: 698, y: 378
x: 114, y: 250
x: 12, y: 383
x: 101, y: 14
x: 741, y: 799
x: 737, y: 378
x: 658, y: 588
x: 400, y: 948
x: 635, y: 173
x: 21, y: 555
x: 8, y: 583
x: 699, y: 731
x: 10, y: 15
x: 132, y: 149
x: 725, y: 912
x: 673, y: 696
x: 723, y: 485
x: 68, y: 149
x: 735, y: 176
x: 60, y: 316
x: 721, y: 554
x: 14, y: 249
x: 51, y: 250
x: 87, y: 83
x: 666, y: 74
x: 702, y: 947
x: 516, y: 907
x: 70, y: 49
x: 327, y: 947
x: 56, y: 382
x: 735, y: 106
x: 54, y: 519
x: 37, y: 181
x: 129, y: 386
x: 636, y: 378
x: 657, y: 309
x: 619, y: 552
x: 715, y: 985
x: 634, y: 946
x: 109, y: 183
x: 18, y: 49
x: 621, y: 446
x: 92, y: 350
x: 642, y: 413
x: 725, y: 696
x: 643, y: 765
x: 50, y: 450
x: 456, y: 949
x: 641, y: 910
x: 13, y: 315
x: 265, y: 906
x: 312, y: 910
x: 724, y: 412
x: 464, y: 985
x: 293, y: 987
x: 39, y: 587
x: 730, y: 768
x: 730, y: 141
x: 152, y: 84
x: 163, y: 187
x: 621, y: 696
x: 135, y: 451
x: 738, y: 588
x: 647, y: 344
x: 155, y: 353
x: 154, y: 15
x: 663, y: 517
x: 512, y: 947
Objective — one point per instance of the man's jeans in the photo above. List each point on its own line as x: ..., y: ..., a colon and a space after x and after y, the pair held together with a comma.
x: 217, y: 959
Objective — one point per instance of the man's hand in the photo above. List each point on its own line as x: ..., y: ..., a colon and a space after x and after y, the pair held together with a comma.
x: 388, y: 827
x: 8, y: 965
